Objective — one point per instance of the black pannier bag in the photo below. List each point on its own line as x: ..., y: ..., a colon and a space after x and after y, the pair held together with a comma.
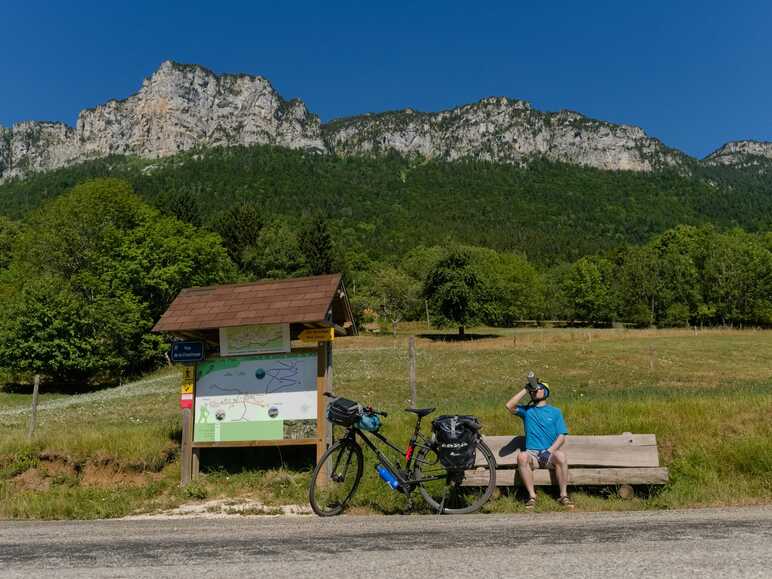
x: 456, y: 440
x: 343, y: 411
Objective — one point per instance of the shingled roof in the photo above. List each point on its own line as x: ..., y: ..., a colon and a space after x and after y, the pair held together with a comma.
x: 317, y: 299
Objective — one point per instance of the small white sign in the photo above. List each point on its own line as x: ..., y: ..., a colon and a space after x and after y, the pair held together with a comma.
x: 257, y: 339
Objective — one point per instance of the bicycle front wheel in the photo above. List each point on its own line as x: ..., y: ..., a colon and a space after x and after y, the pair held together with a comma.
x: 449, y: 492
x: 336, y: 478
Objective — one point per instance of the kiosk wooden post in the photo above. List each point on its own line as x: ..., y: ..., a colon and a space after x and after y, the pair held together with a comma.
x: 187, y: 394
x: 186, y: 452
x: 324, y: 385
x: 195, y: 463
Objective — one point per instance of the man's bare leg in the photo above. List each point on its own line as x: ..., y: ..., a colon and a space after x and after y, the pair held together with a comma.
x: 560, y: 461
x: 561, y: 471
x: 526, y: 473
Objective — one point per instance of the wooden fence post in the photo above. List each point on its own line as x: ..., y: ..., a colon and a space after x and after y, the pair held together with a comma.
x: 652, y: 358
x: 34, y: 417
x: 411, y: 369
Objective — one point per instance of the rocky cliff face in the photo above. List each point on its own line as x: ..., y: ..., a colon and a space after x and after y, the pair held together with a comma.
x: 501, y: 129
x: 5, y: 150
x: 177, y: 108
x: 181, y: 107
x: 737, y: 153
x: 39, y: 146
x: 184, y: 106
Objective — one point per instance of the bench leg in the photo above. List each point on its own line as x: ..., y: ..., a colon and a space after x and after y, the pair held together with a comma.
x: 626, y: 492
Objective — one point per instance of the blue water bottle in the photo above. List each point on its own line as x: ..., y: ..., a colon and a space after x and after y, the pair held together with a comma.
x: 386, y: 475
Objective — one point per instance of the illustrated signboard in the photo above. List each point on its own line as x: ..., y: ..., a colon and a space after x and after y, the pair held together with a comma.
x: 268, y: 397
x: 259, y: 339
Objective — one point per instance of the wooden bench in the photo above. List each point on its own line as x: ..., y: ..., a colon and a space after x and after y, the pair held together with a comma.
x: 624, y: 459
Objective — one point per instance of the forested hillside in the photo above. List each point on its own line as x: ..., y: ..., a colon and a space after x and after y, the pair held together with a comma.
x: 385, y: 206
x: 88, y: 264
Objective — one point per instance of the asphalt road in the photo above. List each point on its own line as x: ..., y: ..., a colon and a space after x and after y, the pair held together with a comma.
x: 698, y: 543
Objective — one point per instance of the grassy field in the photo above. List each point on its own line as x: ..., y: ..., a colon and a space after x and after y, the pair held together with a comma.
x: 706, y: 395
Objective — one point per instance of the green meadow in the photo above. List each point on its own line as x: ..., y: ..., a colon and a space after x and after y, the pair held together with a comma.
x: 707, y: 395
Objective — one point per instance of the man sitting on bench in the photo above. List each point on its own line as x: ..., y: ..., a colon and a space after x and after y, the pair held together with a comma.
x: 545, y: 432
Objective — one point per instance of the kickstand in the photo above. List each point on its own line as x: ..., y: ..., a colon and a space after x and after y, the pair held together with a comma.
x: 444, y: 496
x: 409, y: 504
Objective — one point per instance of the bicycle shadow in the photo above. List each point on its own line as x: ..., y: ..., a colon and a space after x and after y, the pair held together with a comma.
x: 517, y: 444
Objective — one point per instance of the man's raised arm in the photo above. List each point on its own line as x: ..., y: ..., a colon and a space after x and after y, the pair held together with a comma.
x: 512, y: 404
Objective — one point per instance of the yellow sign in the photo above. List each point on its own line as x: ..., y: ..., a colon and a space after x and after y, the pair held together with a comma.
x: 320, y: 335
x: 188, y: 379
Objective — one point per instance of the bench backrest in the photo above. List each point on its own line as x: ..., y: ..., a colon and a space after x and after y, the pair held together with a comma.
x: 616, y: 450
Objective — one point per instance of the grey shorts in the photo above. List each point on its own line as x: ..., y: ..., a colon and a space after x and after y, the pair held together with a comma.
x: 533, y: 460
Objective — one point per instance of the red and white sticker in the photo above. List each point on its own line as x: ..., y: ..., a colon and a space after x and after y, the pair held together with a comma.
x: 186, y: 400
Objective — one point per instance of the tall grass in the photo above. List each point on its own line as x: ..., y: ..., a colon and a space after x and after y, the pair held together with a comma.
x: 707, y: 396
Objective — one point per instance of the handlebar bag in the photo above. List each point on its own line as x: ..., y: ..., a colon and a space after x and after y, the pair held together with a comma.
x: 456, y: 440
x: 344, y: 411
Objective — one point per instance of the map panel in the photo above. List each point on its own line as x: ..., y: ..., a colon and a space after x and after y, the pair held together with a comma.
x: 268, y: 397
x: 257, y: 339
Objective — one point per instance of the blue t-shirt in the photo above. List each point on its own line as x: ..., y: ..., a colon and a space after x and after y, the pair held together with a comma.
x: 543, y: 424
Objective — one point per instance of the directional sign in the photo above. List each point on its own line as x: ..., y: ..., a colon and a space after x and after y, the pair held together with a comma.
x: 188, y: 351
x: 188, y: 379
x: 318, y: 335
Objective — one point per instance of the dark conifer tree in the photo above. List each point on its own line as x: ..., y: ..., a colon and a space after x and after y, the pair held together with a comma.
x: 316, y: 245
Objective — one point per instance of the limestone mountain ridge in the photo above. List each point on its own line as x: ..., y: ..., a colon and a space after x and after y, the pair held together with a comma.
x: 181, y: 107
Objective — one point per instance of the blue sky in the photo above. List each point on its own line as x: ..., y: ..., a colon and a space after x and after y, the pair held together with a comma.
x: 694, y: 74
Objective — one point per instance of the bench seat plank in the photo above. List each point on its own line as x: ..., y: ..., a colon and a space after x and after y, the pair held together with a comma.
x: 579, y: 476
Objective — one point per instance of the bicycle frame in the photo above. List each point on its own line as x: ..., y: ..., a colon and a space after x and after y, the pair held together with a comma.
x: 404, y: 477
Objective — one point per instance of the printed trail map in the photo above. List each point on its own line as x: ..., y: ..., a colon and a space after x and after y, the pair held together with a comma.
x: 266, y: 397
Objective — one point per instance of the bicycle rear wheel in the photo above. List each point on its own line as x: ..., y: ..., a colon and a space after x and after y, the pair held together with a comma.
x: 448, y: 494
x: 336, y: 478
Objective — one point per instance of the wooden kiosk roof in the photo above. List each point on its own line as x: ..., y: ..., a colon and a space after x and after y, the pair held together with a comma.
x: 317, y: 301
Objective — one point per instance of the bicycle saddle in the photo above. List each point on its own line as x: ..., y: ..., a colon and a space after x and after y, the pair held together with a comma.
x: 421, y: 412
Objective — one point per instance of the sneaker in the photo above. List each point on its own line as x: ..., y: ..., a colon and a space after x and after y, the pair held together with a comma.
x: 564, y: 501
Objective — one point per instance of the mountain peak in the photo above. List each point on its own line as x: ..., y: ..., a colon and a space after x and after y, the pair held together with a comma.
x: 747, y: 152
x: 180, y: 106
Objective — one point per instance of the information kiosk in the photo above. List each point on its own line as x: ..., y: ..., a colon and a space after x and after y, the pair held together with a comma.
x: 258, y: 359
